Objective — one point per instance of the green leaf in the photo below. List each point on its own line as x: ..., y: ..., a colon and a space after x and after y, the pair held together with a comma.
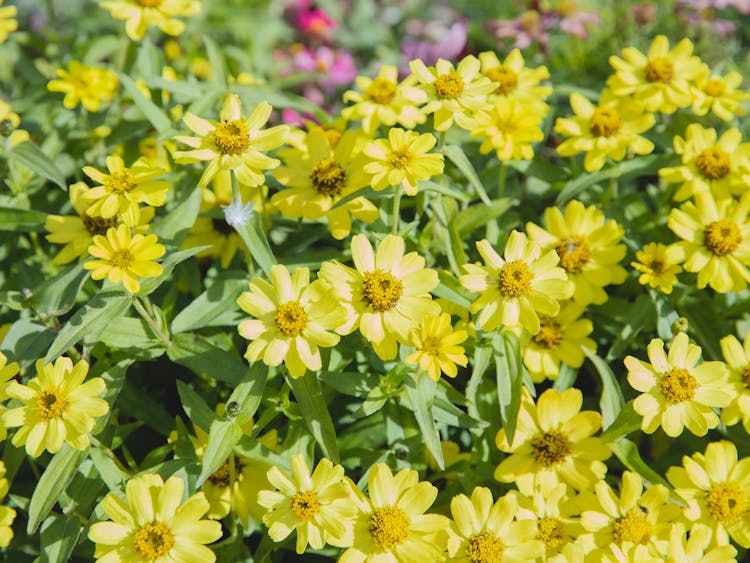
x: 430, y: 186
x: 198, y: 354
x: 459, y: 158
x: 59, y: 536
x: 479, y: 215
x: 421, y: 393
x: 509, y: 371
x: 312, y: 405
x: 256, y: 242
x: 627, y: 452
x: 56, y: 296
x: 112, y: 476
x: 155, y: 116
x: 129, y: 333
x: 612, y: 401
x: 366, y: 192
x: 626, y: 422
x: 152, y: 284
x: 218, y: 64
x: 196, y: 408
x: 217, y: 306
x: 479, y: 365
x: 222, y: 438
x: 26, y: 220
x: 175, y: 226
x: 145, y: 409
x: 26, y: 341
x: 55, y: 479
x: 247, y: 395
x: 34, y: 159
x: 452, y: 290
x: 641, y: 315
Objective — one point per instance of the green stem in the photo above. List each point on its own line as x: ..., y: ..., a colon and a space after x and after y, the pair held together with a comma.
x: 151, y: 322
x: 441, y: 141
x: 396, y: 209
x: 501, y: 179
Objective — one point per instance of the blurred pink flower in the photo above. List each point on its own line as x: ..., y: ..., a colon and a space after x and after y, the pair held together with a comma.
x: 524, y: 29
x: 336, y: 66
x: 436, y: 42
x: 315, y: 22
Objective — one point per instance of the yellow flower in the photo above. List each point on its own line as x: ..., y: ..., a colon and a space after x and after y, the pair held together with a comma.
x: 387, y: 294
x: 318, y: 505
x: 453, y: 94
x: 233, y: 143
x: 515, y: 81
x: 508, y: 127
x: 383, y: 100
x: 216, y: 233
x: 675, y: 391
x: 587, y: 246
x: 319, y: 177
x: 124, y: 258
x: 716, y: 488
x: 402, y: 160
x: 293, y: 318
x: 7, y: 22
x: 438, y: 347
x: 153, y: 524
x: 658, y: 266
x: 628, y: 553
x: 86, y: 85
x: 518, y: 287
x: 612, y: 128
x: 737, y: 357
x: 219, y: 193
x: 451, y: 455
x: 391, y: 525
x: 716, y: 241
x: 484, y: 532
x: 120, y: 191
x: 10, y: 120
x: 7, y: 514
x: 662, y: 79
x: 553, y: 444
x: 698, y: 546
x: 58, y: 407
x: 140, y: 14
x: 7, y: 374
x: 719, y: 94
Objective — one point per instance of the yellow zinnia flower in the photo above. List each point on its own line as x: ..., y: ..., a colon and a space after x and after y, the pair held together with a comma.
x: 7, y: 374
x: 716, y: 488
x: 86, y: 85
x: 737, y: 357
x: 215, y: 232
x: 124, y: 258
x: 518, y: 287
x: 698, y: 547
x: 233, y: 143
x: 720, y: 95
x: 386, y: 296
x: 7, y: 514
x: 587, y: 246
x: 318, y: 505
x: 438, y: 347
x: 508, y: 127
x: 676, y: 392
x: 658, y: 265
x: 553, y: 444
x: 10, y: 122
x: 7, y: 22
x: 716, y: 241
x: 515, y: 81
x: 58, y: 407
x: 153, y: 524
x: 140, y: 14
x: 391, y: 524
x: 293, y: 318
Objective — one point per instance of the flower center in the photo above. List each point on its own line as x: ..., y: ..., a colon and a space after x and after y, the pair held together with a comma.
x: 50, y: 404
x: 150, y: 3
x: 713, y: 163
x: 291, y: 318
x: 381, y: 290
x: 506, y: 78
x: 605, y: 122
x: 222, y: 477
x: 506, y: 124
x: 726, y: 502
x: 122, y: 259
x: 514, y: 279
x: 381, y: 91
x: 746, y: 376
x: 221, y: 226
x: 305, y: 505
x: 232, y: 137
x: 659, y: 69
x: 678, y: 385
x: 550, y: 531
x: 388, y: 526
x: 153, y: 540
x: 98, y: 225
x: 633, y: 527
x: 485, y: 548
x: 714, y: 87
x: 328, y: 177
x: 550, y: 335
x: 550, y: 448
x: 449, y: 86
x: 121, y: 182
x: 574, y: 254
x: 431, y: 345
x: 399, y: 159
x: 656, y: 266
x: 722, y: 237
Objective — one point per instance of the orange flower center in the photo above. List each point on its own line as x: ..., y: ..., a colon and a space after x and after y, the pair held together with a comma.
x: 726, y: 502
x: 50, y: 404
x: 550, y: 531
x: 381, y: 91
x: 506, y: 78
x: 388, y: 526
x: 574, y: 254
x: 722, y: 237
x: 659, y: 69
x: 305, y: 505
x: 714, y: 87
x: 232, y: 137
x: 515, y: 279
x: 328, y: 177
x: 678, y: 385
x: 550, y: 334
x: 381, y: 290
x: 605, y: 122
x: 153, y: 540
x: 633, y: 527
x: 550, y: 448
x: 713, y: 163
x: 291, y: 318
x: 485, y: 548
x: 449, y: 86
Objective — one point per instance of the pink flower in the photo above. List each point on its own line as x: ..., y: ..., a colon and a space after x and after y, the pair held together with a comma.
x: 336, y: 66
x: 439, y: 43
x: 315, y: 22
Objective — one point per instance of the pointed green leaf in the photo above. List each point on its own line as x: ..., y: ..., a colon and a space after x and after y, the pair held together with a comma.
x: 627, y: 452
x: 199, y: 413
x: 222, y: 438
x: 509, y: 371
x: 312, y: 406
x: 59, y: 536
x: 462, y: 162
x: 198, y: 354
x: 153, y: 114
x: 217, y: 306
x: 612, y: 401
x: 174, y: 227
x: 34, y: 159
x: 26, y: 220
x: 421, y: 392
x: 173, y: 258
x: 626, y: 422
x: 56, y: 296
x: 256, y: 242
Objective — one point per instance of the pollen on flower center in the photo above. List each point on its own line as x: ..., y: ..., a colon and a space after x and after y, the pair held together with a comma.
x: 678, y: 385
x: 232, y: 137
x: 305, y: 505
x: 722, y: 237
x: 449, y: 86
x: 746, y: 376
x: 506, y: 78
x: 328, y: 177
x: 574, y: 254
x: 120, y: 182
x: 485, y: 548
x: 514, y: 279
x: 713, y: 163
x: 388, y: 526
x: 381, y: 290
x: 714, y: 87
x: 399, y: 159
x: 50, y: 404
x: 550, y: 448
x: 633, y: 527
x: 726, y: 502
x: 550, y: 335
x: 605, y: 122
x: 550, y: 531
x: 381, y: 91
x: 153, y: 540
x: 656, y: 266
x: 98, y: 225
x: 122, y: 259
x: 659, y: 69
x: 431, y: 345
x: 291, y: 318
x: 150, y: 3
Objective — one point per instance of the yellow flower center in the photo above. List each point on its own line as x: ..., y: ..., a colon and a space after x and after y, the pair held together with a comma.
x: 388, y: 526
x: 713, y: 163
x: 574, y: 254
x: 153, y: 540
x: 449, y: 86
x: 656, y: 266
x: 514, y: 279
x: 659, y: 69
x: 399, y: 159
x: 120, y: 182
x: 291, y: 318
x: 550, y: 334
x: 381, y: 290
x: 722, y: 237
x: 232, y: 137
x: 305, y: 505
x: 506, y: 78
x: 550, y: 448
x: 122, y: 259
x: 98, y: 225
x: 746, y: 376
x: 633, y: 527
x: 605, y: 122
x: 550, y: 531
x: 678, y: 385
x: 328, y: 177
x: 506, y: 124
x: 381, y: 91
x: 431, y: 345
x: 726, y: 502
x: 714, y: 87
x: 150, y: 3
x: 485, y: 548
x: 50, y: 404
x: 222, y: 477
